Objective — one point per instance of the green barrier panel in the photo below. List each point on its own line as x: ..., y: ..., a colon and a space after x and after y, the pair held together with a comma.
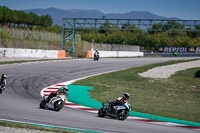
x: 80, y: 95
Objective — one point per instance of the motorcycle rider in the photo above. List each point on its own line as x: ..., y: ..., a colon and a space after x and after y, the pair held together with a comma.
x: 62, y: 91
x: 96, y: 54
x: 120, y: 100
x: 174, y: 53
x: 3, y: 81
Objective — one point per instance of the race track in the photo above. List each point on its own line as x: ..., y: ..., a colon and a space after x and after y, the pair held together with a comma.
x: 20, y: 101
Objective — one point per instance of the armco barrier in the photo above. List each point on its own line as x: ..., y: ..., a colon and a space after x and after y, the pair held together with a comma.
x: 115, y: 54
x: 38, y: 53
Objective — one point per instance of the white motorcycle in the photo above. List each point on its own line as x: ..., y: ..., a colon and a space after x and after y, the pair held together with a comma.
x: 119, y: 111
x: 55, y: 103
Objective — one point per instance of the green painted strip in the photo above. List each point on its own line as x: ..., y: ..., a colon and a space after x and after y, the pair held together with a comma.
x: 72, y: 129
x: 80, y: 95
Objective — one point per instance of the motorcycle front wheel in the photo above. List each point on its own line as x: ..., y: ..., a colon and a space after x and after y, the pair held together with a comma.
x: 122, y: 114
x: 101, y: 113
x: 42, y: 104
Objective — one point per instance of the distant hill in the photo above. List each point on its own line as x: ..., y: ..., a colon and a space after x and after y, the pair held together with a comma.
x: 58, y: 14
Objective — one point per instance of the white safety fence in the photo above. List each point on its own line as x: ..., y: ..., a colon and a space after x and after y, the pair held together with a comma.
x: 29, y: 53
x: 119, y: 53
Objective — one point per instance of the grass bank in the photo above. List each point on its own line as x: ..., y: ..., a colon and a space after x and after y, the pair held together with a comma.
x: 176, y: 97
x: 39, y: 127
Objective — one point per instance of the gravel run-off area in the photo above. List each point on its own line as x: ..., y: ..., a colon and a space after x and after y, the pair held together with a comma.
x: 20, y: 130
x: 165, y: 72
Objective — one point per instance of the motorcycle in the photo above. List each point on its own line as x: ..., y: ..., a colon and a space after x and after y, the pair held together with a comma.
x: 55, y: 103
x: 96, y: 56
x: 2, y: 87
x: 118, y: 111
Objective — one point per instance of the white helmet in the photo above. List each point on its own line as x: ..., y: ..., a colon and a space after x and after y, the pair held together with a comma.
x: 126, y: 96
x: 65, y: 88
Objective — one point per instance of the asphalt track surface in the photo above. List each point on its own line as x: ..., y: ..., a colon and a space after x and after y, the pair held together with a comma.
x: 20, y: 101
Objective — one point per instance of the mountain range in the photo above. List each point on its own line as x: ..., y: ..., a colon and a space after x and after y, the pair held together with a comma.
x: 57, y: 14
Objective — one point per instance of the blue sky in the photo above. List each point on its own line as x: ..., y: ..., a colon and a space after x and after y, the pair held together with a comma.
x: 183, y: 9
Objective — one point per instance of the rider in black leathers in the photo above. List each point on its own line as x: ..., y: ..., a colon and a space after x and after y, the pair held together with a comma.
x: 3, y: 82
x: 96, y: 54
x: 120, y: 100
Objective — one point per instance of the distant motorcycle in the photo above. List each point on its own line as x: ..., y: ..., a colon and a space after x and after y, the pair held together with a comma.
x: 119, y: 111
x: 55, y: 103
x: 2, y: 87
x: 96, y: 56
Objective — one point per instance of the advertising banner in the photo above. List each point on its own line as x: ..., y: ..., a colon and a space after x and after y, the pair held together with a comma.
x: 179, y: 49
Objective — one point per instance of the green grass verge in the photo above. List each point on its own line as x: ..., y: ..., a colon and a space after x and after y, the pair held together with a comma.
x: 176, y: 97
x: 35, y: 127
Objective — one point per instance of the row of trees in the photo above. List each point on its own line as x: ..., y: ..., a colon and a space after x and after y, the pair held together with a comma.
x: 162, y: 35
x: 146, y: 40
x: 8, y: 16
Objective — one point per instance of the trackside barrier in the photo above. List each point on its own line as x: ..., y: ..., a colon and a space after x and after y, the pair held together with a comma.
x: 90, y: 54
x: 61, y: 54
x: 28, y: 53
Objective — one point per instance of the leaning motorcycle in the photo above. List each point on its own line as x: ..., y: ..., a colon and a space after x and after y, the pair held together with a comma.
x: 118, y: 111
x: 2, y: 87
x: 55, y: 103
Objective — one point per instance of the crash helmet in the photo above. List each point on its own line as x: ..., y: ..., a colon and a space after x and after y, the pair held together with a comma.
x: 65, y: 89
x: 126, y: 96
x: 4, y: 76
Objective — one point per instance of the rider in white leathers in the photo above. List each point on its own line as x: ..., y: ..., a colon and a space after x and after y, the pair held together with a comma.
x: 61, y: 91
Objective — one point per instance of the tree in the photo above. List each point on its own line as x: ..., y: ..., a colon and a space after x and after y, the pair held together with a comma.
x: 22, y: 17
x: 15, y: 18
x: 128, y: 26
x: 173, y: 25
x: 45, y: 21
x: 5, y: 15
x: 104, y: 27
x: 157, y: 27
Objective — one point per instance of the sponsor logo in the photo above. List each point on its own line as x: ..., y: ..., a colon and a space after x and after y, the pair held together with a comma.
x: 179, y: 49
x: 191, y: 49
x: 161, y: 49
x: 197, y: 50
